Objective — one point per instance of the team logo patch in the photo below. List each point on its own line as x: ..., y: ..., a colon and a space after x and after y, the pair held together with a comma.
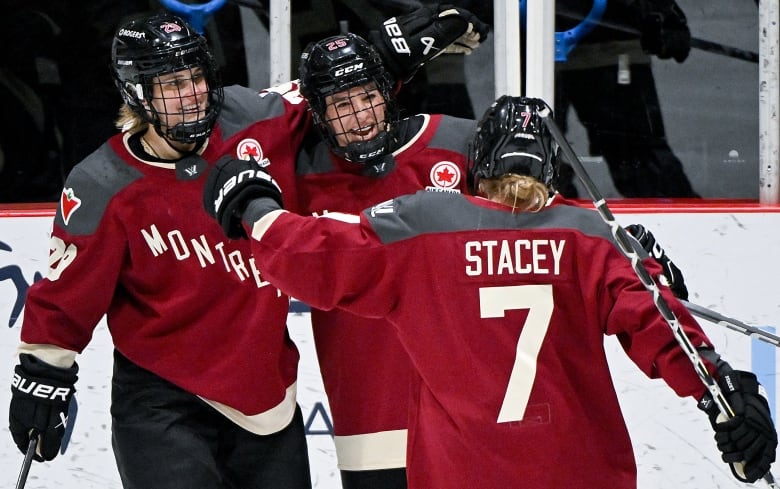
x: 250, y: 149
x: 190, y: 167
x: 68, y: 204
x: 170, y: 27
x: 445, y: 175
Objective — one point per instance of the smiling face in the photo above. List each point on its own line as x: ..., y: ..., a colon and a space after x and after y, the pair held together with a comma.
x: 356, y: 114
x: 180, y: 97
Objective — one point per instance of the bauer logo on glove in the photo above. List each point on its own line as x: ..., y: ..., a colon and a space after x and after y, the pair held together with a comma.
x: 40, y: 390
x: 230, y: 186
x: 241, y: 179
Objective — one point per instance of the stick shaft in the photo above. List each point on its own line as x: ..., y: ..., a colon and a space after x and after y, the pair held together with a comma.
x: 731, y: 323
x: 722, y: 49
x: 624, y: 243
x: 28, y: 458
x: 702, y: 44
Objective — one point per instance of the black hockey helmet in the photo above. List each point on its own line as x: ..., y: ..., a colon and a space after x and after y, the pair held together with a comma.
x: 336, y: 64
x: 512, y: 138
x: 149, y: 46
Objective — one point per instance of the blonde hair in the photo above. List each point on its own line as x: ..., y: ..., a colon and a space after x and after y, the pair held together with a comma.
x: 521, y: 192
x: 129, y: 120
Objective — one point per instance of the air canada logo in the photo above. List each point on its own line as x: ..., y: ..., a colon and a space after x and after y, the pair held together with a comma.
x: 68, y: 204
x: 445, y: 175
x: 250, y: 149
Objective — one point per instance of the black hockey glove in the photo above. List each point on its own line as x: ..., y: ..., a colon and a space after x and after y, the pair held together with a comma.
x: 672, y: 274
x: 230, y: 186
x: 747, y: 441
x: 40, y: 395
x: 664, y: 30
x: 408, y: 41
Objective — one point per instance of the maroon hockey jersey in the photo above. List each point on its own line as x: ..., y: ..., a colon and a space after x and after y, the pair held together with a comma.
x: 131, y: 240
x: 365, y: 371
x: 503, y: 315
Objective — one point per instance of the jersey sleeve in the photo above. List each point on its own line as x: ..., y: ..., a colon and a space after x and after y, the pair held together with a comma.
x: 647, y: 338
x: 346, y: 261
x: 85, y: 257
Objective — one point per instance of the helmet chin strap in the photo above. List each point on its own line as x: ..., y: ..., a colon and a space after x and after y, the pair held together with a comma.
x: 198, y: 143
x: 366, y: 152
x: 168, y: 137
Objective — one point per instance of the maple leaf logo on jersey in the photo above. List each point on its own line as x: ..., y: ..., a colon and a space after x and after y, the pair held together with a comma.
x: 250, y: 149
x: 68, y: 204
x: 445, y: 175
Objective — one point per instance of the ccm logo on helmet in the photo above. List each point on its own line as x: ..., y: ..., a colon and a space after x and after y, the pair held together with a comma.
x: 245, y: 175
x: 43, y: 391
x: 348, y: 69
x: 396, y: 36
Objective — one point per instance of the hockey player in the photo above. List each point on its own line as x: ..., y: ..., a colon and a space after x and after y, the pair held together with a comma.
x: 502, y: 303
x: 204, y: 383
x: 367, y: 155
x: 608, y: 81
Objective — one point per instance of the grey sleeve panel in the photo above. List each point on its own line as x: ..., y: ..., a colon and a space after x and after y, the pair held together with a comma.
x: 94, y: 182
x: 244, y: 106
x: 442, y: 212
x: 454, y: 134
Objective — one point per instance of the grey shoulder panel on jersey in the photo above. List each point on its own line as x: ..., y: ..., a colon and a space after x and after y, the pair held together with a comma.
x: 90, y: 186
x: 441, y: 212
x: 314, y: 160
x: 453, y: 134
x: 244, y: 106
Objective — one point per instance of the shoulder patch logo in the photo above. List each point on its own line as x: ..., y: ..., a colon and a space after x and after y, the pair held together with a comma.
x: 190, y: 167
x: 445, y: 175
x: 250, y: 149
x: 68, y: 204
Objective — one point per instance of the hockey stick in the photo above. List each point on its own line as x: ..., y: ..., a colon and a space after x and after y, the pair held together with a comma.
x: 73, y: 410
x: 624, y: 243
x: 731, y: 323
x: 722, y: 49
x: 702, y: 44
x: 28, y: 458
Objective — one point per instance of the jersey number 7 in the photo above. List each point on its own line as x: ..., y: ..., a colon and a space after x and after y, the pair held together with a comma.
x: 538, y: 299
